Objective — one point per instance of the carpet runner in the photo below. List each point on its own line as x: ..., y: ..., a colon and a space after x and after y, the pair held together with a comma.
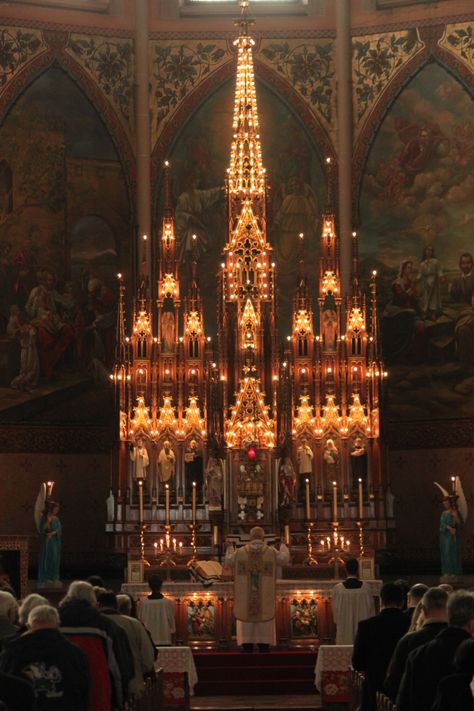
x: 226, y: 673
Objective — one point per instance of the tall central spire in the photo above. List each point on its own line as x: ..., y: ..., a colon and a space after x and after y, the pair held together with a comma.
x: 246, y: 172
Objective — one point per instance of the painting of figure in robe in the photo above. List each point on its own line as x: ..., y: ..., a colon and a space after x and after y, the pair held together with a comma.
x: 417, y: 217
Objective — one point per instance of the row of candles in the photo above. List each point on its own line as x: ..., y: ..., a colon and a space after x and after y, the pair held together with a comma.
x: 167, y: 503
x: 360, y: 501
x: 168, y: 543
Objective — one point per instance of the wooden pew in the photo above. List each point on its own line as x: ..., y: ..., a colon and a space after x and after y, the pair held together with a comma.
x: 384, y: 703
x: 356, y: 684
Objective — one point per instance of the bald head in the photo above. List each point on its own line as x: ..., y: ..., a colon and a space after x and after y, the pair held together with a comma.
x: 257, y: 533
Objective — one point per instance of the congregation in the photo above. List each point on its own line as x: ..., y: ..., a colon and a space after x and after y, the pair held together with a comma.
x: 95, y: 651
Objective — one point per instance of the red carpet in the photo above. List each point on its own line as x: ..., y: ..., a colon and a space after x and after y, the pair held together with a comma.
x: 225, y: 673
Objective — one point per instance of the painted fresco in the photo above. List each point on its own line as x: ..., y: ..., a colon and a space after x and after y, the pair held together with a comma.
x: 297, y: 188
x: 417, y: 216
x: 304, y: 618
x: 64, y: 234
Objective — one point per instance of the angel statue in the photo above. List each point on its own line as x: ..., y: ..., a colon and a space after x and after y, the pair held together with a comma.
x: 49, y: 529
x: 451, y: 524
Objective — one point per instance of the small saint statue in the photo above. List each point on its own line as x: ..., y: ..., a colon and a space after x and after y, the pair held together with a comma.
x: 139, y: 457
x: 331, y: 460
x: 214, y: 483
x: 166, y: 463
x: 193, y: 470
x: 167, y: 331
x: 304, y: 459
x: 287, y: 481
x: 358, y: 455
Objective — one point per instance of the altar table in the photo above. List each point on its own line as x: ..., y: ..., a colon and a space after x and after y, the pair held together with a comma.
x: 179, y: 674
x: 331, y: 674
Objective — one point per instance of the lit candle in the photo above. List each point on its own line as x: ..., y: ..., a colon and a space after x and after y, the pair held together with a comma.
x: 334, y: 501
x: 215, y: 535
x: 174, y: 544
x: 287, y: 534
x: 453, y: 485
x: 161, y: 544
x: 180, y: 550
x: 140, y: 500
x: 194, y: 502
x: 167, y: 537
x: 348, y: 544
x: 155, y: 546
x: 361, y: 502
x: 308, y: 510
x: 167, y: 503
x: 322, y: 543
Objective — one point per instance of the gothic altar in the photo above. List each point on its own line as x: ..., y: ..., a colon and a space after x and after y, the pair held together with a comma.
x: 216, y: 435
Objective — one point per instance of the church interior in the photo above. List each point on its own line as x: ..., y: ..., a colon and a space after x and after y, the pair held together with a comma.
x: 237, y: 292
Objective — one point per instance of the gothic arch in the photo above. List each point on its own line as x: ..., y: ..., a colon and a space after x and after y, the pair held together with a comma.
x: 55, y: 56
x: 432, y: 52
x: 195, y: 98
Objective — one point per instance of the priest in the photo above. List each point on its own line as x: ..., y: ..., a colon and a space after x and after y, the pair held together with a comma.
x: 255, y: 566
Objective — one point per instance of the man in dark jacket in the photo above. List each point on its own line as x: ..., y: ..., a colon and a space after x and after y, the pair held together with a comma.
x: 375, y: 641
x: 428, y: 664
x: 78, y: 609
x: 56, y: 668
x: 415, y: 594
x: 436, y: 619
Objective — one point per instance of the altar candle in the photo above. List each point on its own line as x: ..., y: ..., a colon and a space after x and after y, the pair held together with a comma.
x: 155, y: 546
x: 287, y: 534
x: 334, y: 501
x: 308, y: 510
x: 194, y: 502
x: 361, y: 501
x: 167, y: 541
x: 453, y: 485
x: 322, y: 543
x: 174, y: 544
x: 161, y: 544
x: 215, y: 535
x: 167, y: 503
x: 180, y: 548
x: 348, y: 544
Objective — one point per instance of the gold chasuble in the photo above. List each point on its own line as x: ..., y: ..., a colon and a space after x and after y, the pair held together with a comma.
x: 255, y: 577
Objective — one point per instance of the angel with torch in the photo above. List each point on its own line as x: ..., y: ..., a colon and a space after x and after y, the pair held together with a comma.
x: 453, y: 518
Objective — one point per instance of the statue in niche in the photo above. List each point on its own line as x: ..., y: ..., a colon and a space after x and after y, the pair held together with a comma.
x: 193, y: 470
x: 287, y: 482
x: 167, y: 331
x: 304, y: 458
x: 166, y: 464
x: 214, y: 483
x: 331, y: 460
x: 358, y: 459
x: 329, y: 329
x: 141, y: 460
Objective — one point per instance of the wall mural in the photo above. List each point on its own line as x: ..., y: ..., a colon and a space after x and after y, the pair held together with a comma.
x: 199, y: 160
x: 64, y: 233
x: 417, y: 223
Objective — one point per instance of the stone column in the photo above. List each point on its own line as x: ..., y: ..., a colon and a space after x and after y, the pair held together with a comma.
x: 344, y: 134
x: 142, y: 132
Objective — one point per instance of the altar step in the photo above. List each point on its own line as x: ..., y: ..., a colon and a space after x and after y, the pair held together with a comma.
x: 230, y: 673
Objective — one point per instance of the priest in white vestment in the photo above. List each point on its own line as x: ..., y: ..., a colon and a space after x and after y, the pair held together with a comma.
x: 255, y: 566
x: 352, y: 601
x: 157, y: 613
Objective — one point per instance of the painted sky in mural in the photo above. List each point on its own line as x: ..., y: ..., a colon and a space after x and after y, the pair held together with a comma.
x: 199, y: 160
x: 417, y: 216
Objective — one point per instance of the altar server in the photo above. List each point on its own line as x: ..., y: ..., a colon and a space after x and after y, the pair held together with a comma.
x: 352, y: 601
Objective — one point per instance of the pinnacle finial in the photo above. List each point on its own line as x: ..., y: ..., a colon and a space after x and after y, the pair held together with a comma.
x: 244, y: 22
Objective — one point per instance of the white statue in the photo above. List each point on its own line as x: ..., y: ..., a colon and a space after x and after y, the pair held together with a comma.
x: 304, y: 457
x: 139, y: 457
x: 166, y: 462
x: 331, y: 458
x: 167, y: 330
x: 214, y: 483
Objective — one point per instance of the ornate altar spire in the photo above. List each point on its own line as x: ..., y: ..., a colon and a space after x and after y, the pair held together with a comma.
x: 246, y: 173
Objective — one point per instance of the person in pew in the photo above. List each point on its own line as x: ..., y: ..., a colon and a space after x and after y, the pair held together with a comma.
x: 455, y: 690
x: 415, y: 594
x: 16, y: 694
x: 431, y: 662
x: 352, y: 601
x: 375, y: 641
x: 157, y: 613
x: 435, y: 614
x: 56, y: 668
x: 140, y: 644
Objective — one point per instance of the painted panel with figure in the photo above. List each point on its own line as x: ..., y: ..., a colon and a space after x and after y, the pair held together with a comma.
x: 199, y: 160
x: 64, y: 234
x: 417, y: 215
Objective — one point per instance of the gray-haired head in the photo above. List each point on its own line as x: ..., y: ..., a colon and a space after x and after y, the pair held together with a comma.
x: 28, y: 604
x: 80, y: 590
x: 43, y: 616
x: 461, y: 609
x: 257, y: 533
x: 416, y: 592
x: 8, y: 605
x: 434, y: 599
x: 124, y: 604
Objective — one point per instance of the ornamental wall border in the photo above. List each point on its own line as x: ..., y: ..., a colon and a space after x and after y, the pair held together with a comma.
x: 429, y: 434
x: 58, y: 439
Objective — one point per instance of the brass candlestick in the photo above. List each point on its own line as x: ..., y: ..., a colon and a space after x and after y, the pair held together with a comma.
x: 360, y: 525
x: 142, y: 528
x: 310, y: 559
x: 193, y: 528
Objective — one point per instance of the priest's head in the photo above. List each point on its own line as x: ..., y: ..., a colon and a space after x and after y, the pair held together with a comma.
x: 257, y: 533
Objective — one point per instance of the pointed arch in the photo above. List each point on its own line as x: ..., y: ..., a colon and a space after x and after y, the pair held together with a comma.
x: 432, y: 52
x: 55, y: 56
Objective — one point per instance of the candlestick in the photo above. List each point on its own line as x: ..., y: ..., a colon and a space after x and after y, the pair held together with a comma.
x: 194, y: 502
x: 334, y: 500
x: 287, y: 534
x: 308, y: 509
x: 167, y: 504
x: 361, y: 501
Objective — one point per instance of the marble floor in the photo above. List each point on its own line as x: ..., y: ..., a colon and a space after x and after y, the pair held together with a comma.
x: 303, y: 702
